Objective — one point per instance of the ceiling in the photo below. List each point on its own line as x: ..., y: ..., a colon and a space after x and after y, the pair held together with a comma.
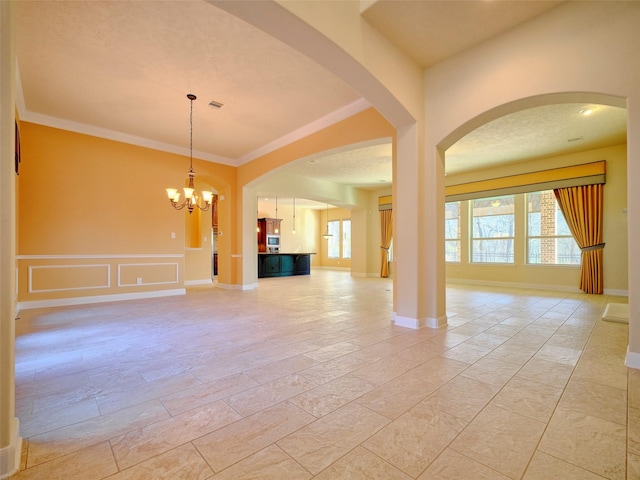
x: 122, y: 69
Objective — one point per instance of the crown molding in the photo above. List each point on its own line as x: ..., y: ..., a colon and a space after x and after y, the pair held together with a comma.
x: 54, y: 122
x: 313, y: 127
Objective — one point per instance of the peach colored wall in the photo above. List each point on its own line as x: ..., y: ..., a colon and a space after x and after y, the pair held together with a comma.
x: 87, y: 200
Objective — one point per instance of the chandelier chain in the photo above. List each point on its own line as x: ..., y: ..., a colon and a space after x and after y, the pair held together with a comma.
x: 191, y: 200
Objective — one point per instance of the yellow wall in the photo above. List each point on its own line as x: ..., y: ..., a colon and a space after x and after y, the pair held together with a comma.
x: 305, y: 238
x: 615, y: 255
x: 94, y: 215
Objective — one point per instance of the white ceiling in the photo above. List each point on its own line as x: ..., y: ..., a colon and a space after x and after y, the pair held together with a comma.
x: 122, y: 69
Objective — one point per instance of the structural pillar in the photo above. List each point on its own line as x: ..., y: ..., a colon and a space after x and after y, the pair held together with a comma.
x: 10, y: 441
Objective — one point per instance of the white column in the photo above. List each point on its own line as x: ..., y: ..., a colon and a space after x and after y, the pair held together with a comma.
x: 10, y: 441
x: 633, y: 224
x: 249, y: 242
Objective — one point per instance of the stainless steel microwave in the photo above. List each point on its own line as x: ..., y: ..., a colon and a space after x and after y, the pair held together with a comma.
x: 273, y: 240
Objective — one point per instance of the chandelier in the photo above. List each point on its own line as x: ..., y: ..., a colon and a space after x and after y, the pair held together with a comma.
x: 191, y: 200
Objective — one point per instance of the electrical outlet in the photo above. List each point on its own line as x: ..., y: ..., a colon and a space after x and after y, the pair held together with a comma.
x: 173, y: 234
x: 139, y: 281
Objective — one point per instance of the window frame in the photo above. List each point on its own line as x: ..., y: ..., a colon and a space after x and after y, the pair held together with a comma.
x: 451, y: 240
x: 511, y: 260
x: 334, y: 241
x: 345, y: 240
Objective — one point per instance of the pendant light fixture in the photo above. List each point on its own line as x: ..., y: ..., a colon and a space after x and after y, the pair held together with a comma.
x: 191, y: 200
x: 276, y: 229
x: 294, y: 215
x: 327, y: 235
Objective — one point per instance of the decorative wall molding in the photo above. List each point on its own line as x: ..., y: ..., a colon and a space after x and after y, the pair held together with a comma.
x: 100, y: 256
x: 35, y: 268
x: 122, y: 266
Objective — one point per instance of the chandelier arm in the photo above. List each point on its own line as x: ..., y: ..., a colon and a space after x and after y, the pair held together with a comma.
x: 178, y: 206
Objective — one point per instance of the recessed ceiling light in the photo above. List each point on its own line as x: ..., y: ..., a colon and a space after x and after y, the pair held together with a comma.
x: 586, y: 111
x: 216, y: 105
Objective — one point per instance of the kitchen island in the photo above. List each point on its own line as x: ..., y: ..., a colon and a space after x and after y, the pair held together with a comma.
x: 283, y: 264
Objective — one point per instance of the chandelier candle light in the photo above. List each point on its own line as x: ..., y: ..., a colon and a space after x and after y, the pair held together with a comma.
x: 190, y: 199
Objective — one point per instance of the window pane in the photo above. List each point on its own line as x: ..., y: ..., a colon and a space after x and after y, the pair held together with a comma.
x: 346, y: 239
x: 452, y: 220
x: 333, y: 247
x: 568, y: 251
x: 533, y: 221
x: 561, y: 224
x: 553, y: 251
x: 493, y: 217
x: 492, y: 251
x: 533, y: 211
x: 452, y: 250
x: 492, y: 229
x: 534, y: 251
x: 550, y: 241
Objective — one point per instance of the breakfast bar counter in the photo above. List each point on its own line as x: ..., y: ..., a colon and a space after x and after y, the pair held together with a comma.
x: 283, y: 264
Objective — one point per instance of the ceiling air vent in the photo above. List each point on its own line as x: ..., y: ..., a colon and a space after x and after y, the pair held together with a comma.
x: 216, y: 105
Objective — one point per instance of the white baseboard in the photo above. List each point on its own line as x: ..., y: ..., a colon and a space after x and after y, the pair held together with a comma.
x: 533, y: 286
x: 417, y: 323
x: 437, y: 322
x: 632, y: 359
x: 617, y: 293
x: 228, y: 286
x: 11, y: 454
x: 204, y: 281
x: 63, y: 302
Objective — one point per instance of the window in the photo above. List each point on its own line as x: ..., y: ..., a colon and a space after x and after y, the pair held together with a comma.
x: 452, y: 232
x: 549, y: 241
x: 346, y: 239
x: 493, y: 227
x: 333, y: 244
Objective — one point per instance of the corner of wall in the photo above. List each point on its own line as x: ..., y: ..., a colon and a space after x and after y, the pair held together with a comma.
x: 11, y: 454
x: 632, y: 359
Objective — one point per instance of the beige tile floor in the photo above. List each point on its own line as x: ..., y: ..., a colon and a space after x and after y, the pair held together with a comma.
x: 307, y: 377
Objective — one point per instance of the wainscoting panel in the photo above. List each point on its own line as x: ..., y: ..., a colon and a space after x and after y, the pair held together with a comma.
x: 55, y: 280
x: 60, y: 278
x: 134, y: 274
